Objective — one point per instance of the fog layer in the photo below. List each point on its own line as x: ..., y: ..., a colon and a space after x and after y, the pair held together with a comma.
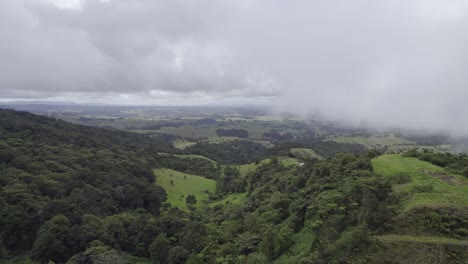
x: 397, y: 63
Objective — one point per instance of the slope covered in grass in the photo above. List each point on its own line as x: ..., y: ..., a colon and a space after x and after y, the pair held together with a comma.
x: 374, y: 141
x: 305, y: 153
x: 245, y: 169
x: 429, y: 185
x: 182, y: 185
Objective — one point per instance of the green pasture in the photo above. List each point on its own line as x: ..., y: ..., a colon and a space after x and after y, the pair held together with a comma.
x: 429, y: 185
x: 182, y: 185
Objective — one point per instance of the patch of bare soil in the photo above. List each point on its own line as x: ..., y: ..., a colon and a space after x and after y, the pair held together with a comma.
x: 450, y: 179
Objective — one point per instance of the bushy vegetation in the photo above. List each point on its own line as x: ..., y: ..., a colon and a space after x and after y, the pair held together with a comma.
x: 53, y: 174
x: 453, y: 162
x: 328, y: 149
x: 191, y: 164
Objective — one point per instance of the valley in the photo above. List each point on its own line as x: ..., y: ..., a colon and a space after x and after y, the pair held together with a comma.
x: 225, y: 188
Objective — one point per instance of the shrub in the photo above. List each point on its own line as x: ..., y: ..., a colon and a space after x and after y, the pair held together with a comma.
x: 399, y: 178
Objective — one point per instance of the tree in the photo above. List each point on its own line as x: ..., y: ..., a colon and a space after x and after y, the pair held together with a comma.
x: 270, y: 246
x: 52, y: 241
x: 178, y: 255
x: 193, y: 237
x: 159, y: 250
x: 190, y: 200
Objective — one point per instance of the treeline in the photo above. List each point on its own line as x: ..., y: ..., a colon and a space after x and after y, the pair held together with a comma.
x: 426, y: 140
x: 456, y: 163
x: 277, y: 136
x: 241, y: 133
x: 323, y: 148
x: 157, y: 125
x: 191, y: 165
x: 329, y: 149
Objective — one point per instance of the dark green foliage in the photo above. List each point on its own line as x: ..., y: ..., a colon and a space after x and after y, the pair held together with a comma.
x: 231, y: 181
x: 54, y: 241
x: 328, y: 149
x: 98, y: 252
x: 427, y: 140
x: 229, y: 152
x: 60, y: 176
x: 284, y: 148
x: 270, y: 246
x: 159, y: 250
x: 322, y: 147
x: 353, y: 239
x: 194, y: 166
x: 192, y: 236
x: 241, y: 133
x: 453, y: 162
x: 433, y: 221
x: 204, y: 122
x: 247, y: 243
x: 190, y: 200
x: 341, y: 199
x: 178, y: 255
x: 277, y: 136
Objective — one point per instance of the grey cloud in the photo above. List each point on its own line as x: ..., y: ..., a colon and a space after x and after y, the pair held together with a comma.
x: 396, y: 63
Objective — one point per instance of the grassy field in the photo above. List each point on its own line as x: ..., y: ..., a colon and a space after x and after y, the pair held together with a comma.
x: 430, y: 184
x: 305, y: 153
x: 374, y: 141
x: 247, y: 168
x: 183, y: 185
x: 286, y: 161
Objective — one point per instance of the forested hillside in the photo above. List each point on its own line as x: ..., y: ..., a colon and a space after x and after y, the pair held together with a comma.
x: 77, y: 194
x: 58, y: 181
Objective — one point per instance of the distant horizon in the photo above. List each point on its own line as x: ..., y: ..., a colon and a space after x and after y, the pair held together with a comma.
x: 388, y: 63
x: 90, y: 103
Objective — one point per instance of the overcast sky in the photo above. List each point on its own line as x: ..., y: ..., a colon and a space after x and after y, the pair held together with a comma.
x: 395, y: 62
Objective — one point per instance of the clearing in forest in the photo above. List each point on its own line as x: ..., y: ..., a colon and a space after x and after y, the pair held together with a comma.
x: 182, y: 185
x: 374, y: 141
